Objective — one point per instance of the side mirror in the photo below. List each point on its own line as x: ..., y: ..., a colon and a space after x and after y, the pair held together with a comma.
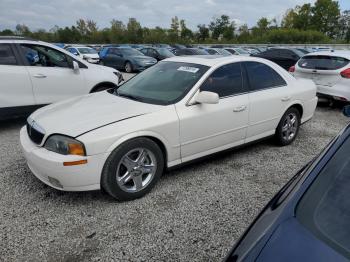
x: 206, y: 97
x: 346, y: 111
x: 75, y: 66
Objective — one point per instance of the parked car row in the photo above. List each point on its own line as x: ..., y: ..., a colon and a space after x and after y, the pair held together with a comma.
x: 122, y: 139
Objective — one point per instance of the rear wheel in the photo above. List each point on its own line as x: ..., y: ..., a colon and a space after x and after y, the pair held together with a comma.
x: 288, y: 127
x: 128, y: 67
x: 132, y: 169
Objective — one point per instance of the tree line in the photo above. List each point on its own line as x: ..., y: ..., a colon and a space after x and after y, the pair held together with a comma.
x: 322, y: 22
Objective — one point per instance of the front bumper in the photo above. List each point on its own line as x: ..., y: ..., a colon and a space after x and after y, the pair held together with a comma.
x: 48, y: 167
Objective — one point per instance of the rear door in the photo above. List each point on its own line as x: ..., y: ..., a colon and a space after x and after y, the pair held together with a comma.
x: 324, y: 70
x: 15, y: 85
x: 268, y: 98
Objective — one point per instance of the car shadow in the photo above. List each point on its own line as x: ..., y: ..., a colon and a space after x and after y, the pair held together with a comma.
x: 11, y: 124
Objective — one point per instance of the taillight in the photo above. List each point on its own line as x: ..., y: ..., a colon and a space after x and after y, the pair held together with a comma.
x: 345, y: 73
x: 292, y: 69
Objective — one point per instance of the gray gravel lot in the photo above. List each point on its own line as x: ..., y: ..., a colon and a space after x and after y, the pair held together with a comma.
x: 195, y: 213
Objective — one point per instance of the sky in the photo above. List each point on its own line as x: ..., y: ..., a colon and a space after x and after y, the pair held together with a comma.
x: 45, y: 14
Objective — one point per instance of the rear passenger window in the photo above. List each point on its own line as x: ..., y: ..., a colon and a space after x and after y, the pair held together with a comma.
x: 225, y: 81
x: 7, y: 56
x: 262, y: 76
x: 323, y: 62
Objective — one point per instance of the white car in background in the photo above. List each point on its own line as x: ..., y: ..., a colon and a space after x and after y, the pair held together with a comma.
x: 329, y: 70
x: 84, y: 52
x: 35, y: 73
x: 180, y: 109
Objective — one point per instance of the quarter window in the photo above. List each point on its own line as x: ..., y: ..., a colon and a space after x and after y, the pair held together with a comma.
x: 262, y: 76
x: 225, y: 81
x: 38, y: 55
x: 7, y: 56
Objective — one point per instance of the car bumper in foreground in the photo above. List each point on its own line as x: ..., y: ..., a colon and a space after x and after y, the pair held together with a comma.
x: 48, y: 167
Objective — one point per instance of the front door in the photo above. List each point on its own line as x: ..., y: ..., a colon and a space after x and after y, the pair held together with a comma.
x: 208, y: 128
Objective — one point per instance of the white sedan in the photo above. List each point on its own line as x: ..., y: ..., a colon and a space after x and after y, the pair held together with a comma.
x: 181, y: 109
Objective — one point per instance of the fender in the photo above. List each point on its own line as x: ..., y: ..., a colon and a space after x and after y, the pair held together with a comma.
x: 172, y: 152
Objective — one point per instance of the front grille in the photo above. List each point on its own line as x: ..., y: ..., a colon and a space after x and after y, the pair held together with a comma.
x: 35, y: 135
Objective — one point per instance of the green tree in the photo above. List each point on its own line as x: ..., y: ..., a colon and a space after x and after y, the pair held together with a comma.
x: 222, y: 27
x: 186, y: 33
x: 344, y: 26
x: 203, y: 33
x: 134, y: 31
x: 325, y: 17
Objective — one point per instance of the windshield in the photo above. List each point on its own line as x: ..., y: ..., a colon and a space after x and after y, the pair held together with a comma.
x: 241, y: 51
x: 130, y: 52
x: 325, y: 207
x: 199, y: 52
x: 165, y: 52
x: 86, y: 50
x: 164, y: 83
x: 223, y: 52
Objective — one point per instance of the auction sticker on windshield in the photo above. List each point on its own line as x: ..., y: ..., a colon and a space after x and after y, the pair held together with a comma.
x: 188, y: 69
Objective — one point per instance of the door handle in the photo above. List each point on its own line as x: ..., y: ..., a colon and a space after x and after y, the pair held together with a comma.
x: 286, y: 98
x: 239, y: 108
x: 39, y: 76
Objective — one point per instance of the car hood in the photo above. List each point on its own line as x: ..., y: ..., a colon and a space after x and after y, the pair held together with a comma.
x: 82, y: 114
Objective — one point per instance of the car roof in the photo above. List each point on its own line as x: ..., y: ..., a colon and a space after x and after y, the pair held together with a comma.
x: 210, y: 60
x: 340, y: 53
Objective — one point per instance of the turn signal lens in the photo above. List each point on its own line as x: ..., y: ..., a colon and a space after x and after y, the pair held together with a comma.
x: 76, y: 149
x: 345, y: 73
x: 292, y: 69
x: 75, y: 163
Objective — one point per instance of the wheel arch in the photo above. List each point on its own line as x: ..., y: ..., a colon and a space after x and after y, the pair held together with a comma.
x: 103, y: 84
x: 158, y: 139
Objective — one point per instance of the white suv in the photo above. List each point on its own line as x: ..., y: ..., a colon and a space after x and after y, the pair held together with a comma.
x: 329, y: 70
x: 35, y: 73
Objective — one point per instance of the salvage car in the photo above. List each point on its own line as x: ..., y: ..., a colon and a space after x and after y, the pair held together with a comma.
x: 329, y: 70
x: 309, y: 218
x: 284, y: 57
x: 158, y: 53
x: 181, y: 109
x: 127, y: 58
x: 87, y: 53
x: 35, y: 73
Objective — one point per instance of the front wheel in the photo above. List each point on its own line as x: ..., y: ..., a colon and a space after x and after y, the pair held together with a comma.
x: 132, y: 169
x: 288, y: 127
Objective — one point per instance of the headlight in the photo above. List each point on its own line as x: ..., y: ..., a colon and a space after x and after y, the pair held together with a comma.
x: 65, y: 145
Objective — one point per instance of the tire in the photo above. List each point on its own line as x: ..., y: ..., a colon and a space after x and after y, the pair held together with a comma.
x: 287, y: 129
x: 130, y: 174
x: 128, y: 67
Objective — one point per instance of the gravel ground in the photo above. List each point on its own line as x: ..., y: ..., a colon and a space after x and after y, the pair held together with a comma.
x: 195, y: 213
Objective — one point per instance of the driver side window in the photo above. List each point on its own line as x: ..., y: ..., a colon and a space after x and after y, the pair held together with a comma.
x: 38, y: 55
x: 225, y: 81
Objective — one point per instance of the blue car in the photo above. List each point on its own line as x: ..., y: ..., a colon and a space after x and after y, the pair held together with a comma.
x: 125, y: 58
x: 309, y: 219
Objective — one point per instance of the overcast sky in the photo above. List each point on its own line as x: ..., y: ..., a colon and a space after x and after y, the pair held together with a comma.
x: 47, y: 13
